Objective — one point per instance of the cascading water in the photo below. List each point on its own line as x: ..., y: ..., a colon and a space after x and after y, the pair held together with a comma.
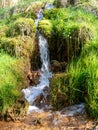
x: 32, y: 92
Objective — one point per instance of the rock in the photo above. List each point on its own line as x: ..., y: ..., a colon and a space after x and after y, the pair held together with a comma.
x: 65, y: 3
x: 38, y: 99
x: 57, y: 66
x: 34, y: 77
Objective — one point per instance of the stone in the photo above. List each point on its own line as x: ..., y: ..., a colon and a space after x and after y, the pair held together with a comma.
x: 38, y: 99
x: 57, y: 66
x: 33, y: 77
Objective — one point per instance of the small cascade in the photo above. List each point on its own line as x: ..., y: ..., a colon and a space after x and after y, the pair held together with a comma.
x: 33, y: 92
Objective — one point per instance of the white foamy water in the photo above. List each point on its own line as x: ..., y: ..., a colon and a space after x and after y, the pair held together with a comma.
x: 32, y: 92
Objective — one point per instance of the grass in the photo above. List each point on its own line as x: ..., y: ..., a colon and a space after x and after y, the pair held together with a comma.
x: 10, y: 81
x: 67, y: 29
x: 84, y: 76
x: 80, y: 83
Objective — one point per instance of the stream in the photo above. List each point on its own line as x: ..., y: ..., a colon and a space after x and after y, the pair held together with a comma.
x: 33, y: 92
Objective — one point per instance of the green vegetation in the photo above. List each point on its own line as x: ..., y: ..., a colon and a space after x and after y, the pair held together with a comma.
x: 67, y: 30
x: 11, y: 81
x: 22, y: 26
x: 80, y: 82
x: 17, y: 37
x: 76, y: 30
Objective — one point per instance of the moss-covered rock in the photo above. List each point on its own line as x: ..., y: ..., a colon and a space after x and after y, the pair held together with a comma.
x: 46, y: 28
x: 17, y: 46
x: 23, y: 27
x: 59, y: 91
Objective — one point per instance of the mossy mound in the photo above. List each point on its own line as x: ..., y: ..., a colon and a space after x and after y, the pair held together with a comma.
x: 68, y: 88
x: 22, y: 26
x: 17, y: 46
x: 73, y: 38
x: 45, y: 27
x: 60, y: 91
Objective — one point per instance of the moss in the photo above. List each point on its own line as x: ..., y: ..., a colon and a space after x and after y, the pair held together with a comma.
x: 55, y: 13
x: 3, y: 30
x: 84, y: 73
x: 22, y: 26
x: 60, y: 95
x: 70, y: 29
x: 17, y: 46
x: 45, y: 27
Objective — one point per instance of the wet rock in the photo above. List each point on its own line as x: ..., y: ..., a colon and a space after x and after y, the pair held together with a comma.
x: 33, y: 77
x: 57, y: 66
x: 38, y: 99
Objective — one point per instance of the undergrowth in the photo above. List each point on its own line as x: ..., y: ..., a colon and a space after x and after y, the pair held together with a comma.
x: 11, y: 81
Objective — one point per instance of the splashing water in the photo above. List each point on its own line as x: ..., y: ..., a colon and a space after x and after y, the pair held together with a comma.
x: 32, y: 92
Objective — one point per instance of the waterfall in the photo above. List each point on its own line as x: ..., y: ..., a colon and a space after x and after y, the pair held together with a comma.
x: 33, y: 92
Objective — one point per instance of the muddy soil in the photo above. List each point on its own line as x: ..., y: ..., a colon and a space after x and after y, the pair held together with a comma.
x: 51, y: 121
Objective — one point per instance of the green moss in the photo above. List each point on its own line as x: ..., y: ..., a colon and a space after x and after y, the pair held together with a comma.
x: 17, y: 46
x: 22, y: 26
x: 55, y: 13
x: 45, y: 27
